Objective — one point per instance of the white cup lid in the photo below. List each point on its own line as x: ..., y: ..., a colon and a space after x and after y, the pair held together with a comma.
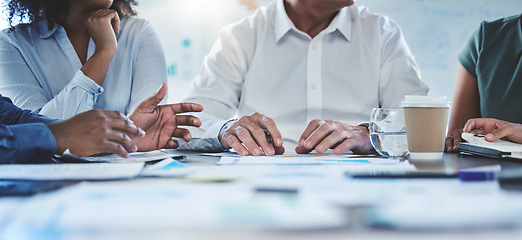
x: 425, y: 101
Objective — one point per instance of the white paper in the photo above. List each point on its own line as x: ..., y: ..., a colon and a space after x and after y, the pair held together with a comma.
x: 133, y: 157
x: 70, y: 171
x: 167, y: 168
x: 500, y: 145
x: 147, y: 205
x: 305, y: 160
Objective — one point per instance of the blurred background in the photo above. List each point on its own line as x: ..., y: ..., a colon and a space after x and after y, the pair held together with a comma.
x: 434, y: 29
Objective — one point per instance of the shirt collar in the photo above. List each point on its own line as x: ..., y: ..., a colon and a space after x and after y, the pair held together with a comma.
x: 344, y: 22
x: 43, y: 29
x: 283, y: 24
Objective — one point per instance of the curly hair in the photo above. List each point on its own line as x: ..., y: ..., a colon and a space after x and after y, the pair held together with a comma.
x: 54, y: 11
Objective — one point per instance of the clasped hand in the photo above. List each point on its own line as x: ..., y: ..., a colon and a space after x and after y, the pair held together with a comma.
x: 247, y: 135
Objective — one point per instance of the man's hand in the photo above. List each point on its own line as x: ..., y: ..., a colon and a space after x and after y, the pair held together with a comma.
x: 247, y: 135
x: 320, y: 135
x: 161, y: 122
x: 96, y: 131
x: 495, y: 129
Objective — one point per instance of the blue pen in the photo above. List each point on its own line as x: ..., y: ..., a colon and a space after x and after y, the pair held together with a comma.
x: 483, y: 173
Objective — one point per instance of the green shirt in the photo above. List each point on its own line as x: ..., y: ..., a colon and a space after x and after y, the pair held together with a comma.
x: 493, y: 55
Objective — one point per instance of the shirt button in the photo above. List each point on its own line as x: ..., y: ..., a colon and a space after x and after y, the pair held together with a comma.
x: 314, y: 47
x: 313, y: 87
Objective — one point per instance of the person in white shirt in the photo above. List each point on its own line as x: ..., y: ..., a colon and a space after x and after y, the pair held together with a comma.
x: 313, y: 65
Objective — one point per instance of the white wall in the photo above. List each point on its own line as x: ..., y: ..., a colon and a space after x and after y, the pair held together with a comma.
x: 434, y: 29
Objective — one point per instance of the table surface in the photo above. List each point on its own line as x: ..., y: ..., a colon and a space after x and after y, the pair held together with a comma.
x: 450, y: 163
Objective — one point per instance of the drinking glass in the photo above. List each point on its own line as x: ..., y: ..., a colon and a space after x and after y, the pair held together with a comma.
x: 388, y: 132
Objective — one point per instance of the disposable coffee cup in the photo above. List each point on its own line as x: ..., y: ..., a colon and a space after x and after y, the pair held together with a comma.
x: 426, y: 119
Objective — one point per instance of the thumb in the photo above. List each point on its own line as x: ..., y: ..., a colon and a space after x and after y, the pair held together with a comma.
x: 497, y: 134
x: 152, y: 102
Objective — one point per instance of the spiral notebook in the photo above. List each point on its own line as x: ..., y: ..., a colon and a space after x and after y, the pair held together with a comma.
x: 478, y: 145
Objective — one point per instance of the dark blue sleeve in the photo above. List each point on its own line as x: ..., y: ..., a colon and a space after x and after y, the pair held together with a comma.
x: 24, y: 136
x: 11, y: 114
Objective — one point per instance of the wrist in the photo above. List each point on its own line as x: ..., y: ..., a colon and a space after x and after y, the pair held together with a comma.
x: 223, y: 131
x: 105, y: 51
x: 60, y: 146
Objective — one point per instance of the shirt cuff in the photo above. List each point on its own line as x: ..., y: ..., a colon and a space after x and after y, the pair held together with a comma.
x: 213, y: 130
x: 87, y: 84
x: 33, y: 141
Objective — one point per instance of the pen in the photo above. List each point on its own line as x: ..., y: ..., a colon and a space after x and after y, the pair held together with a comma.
x: 268, y: 137
x: 404, y: 175
x: 276, y: 190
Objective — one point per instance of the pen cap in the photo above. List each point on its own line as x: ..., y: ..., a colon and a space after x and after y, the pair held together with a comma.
x: 425, y: 101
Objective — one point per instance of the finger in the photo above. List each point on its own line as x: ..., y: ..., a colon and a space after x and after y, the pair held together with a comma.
x: 235, y: 144
x: 478, y: 131
x: 186, y: 107
x: 356, y: 140
x: 271, y: 126
x: 449, y: 144
x: 317, y: 136
x: 188, y: 120
x: 122, y: 139
x: 504, y: 131
x: 260, y: 137
x: 126, y: 126
x: 456, y: 142
x: 115, y: 21
x: 334, y: 138
x: 302, y: 150
x: 149, y: 104
x: 279, y: 150
x: 344, y: 146
x: 182, y: 133
x: 245, y: 136
x: 470, y: 125
x: 312, y: 126
x: 456, y: 138
x: 112, y: 147
x: 171, y: 144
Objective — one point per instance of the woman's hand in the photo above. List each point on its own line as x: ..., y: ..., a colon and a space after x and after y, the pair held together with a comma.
x: 495, y: 129
x: 101, y: 27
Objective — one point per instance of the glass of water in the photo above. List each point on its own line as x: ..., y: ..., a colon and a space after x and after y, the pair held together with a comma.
x: 388, y: 132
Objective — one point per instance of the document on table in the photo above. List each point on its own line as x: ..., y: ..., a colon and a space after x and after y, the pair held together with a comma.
x: 120, y: 206
x: 302, y: 159
x: 133, y: 157
x: 71, y: 171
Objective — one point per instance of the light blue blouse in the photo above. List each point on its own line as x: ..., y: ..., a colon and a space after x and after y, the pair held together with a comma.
x: 40, y: 70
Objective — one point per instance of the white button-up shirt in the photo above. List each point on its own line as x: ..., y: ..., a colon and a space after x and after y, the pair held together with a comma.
x: 264, y: 64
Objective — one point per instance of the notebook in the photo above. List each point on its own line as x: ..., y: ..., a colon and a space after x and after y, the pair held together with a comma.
x: 478, y: 145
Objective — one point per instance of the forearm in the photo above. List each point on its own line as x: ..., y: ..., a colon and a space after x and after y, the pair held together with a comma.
x: 97, y: 65
x: 466, y: 100
x: 26, y: 143
x: 78, y: 96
